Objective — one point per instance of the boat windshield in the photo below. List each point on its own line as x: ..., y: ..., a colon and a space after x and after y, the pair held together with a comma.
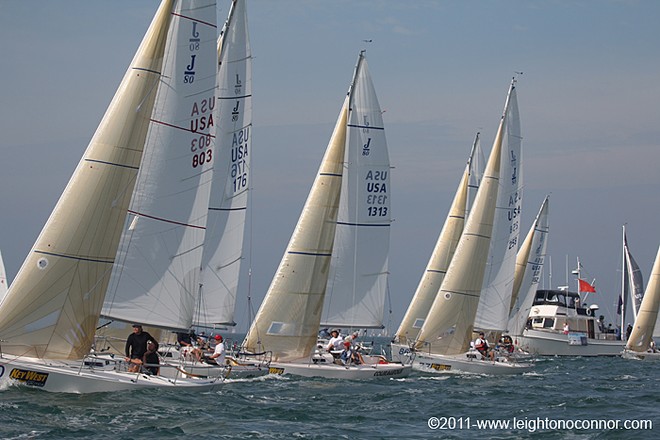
x: 555, y: 297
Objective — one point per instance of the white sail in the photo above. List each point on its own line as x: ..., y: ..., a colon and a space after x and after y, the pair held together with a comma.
x: 223, y: 242
x: 442, y: 254
x: 357, y: 284
x: 642, y: 332
x: 449, y: 323
x: 476, y: 165
x: 52, y: 307
x: 632, y: 284
x: 529, y: 270
x: 495, y: 300
x: 3, y: 279
x: 155, y: 280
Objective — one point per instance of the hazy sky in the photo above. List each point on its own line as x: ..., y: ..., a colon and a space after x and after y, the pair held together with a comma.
x: 589, y: 103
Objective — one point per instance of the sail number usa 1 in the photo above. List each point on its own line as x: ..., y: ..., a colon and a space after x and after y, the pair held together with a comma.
x: 239, y: 158
x: 376, y: 183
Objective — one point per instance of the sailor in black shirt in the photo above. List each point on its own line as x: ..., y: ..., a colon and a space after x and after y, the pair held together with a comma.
x: 136, y: 343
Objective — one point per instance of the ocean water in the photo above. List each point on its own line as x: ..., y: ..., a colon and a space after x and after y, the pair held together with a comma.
x: 573, y: 398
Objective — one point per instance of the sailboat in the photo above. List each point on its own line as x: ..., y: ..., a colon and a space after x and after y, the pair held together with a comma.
x: 640, y: 344
x: 350, y: 192
x: 50, y: 313
x: 443, y: 342
x: 436, y: 268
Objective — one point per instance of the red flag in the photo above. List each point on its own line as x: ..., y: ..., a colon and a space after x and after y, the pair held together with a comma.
x: 586, y: 287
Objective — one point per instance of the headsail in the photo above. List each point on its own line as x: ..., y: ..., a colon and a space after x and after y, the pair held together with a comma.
x: 495, y: 300
x: 223, y: 242
x: 448, y: 326
x: 443, y: 252
x: 642, y: 333
x: 357, y: 284
x: 53, y: 305
x: 287, y: 321
x: 155, y: 280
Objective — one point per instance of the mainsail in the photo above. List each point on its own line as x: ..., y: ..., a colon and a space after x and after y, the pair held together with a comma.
x: 495, y: 300
x: 3, y: 279
x: 448, y: 326
x: 357, y: 284
x: 642, y: 332
x: 53, y: 305
x: 225, y: 227
x: 476, y: 165
x: 529, y: 269
x: 155, y: 280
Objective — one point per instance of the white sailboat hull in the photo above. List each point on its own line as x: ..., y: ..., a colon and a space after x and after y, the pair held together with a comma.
x: 546, y: 343
x: 65, y: 377
x: 199, y: 369
x: 641, y: 356
x: 329, y: 370
x: 402, y: 353
x: 467, y: 363
x: 235, y: 369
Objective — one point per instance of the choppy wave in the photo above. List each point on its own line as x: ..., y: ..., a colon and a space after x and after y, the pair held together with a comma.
x: 282, y: 407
